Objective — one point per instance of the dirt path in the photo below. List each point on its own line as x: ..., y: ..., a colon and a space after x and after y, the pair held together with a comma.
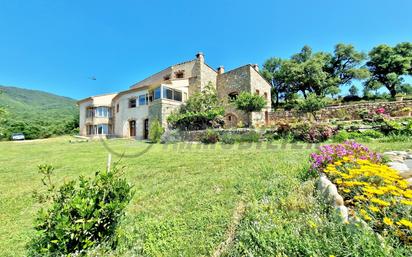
x: 231, y: 232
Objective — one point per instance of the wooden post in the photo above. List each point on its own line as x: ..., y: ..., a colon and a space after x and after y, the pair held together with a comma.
x: 109, y: 160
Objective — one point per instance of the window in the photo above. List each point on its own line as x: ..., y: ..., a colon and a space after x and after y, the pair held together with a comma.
x: 167, y: 93
x: 265, y: 95
x: 257, y: 92
x: 102, y: 112
x: 156, y: 93
x: 90, y: 130
x: 233, y: 96
x: 177, y: 96
x: 143, y: 99
x: 117, y: 108
x: 89, y: 112
x: 172, y: 94
x: 132, y: 103
x: 102, y: 129
x: 180, y: 74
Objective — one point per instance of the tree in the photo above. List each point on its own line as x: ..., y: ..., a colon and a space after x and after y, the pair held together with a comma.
x: 249, y: 102
x: 314, y: 72
x: 388, y: 65
x: 273, y: 73
x: 353, y: 90
x: 345, y: 65
x: 201, y: 111
x: 156, y: 131
x: 405, y: 89
x: 312, y: 104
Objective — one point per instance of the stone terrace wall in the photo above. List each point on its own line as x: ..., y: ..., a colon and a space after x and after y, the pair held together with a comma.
x: 341, y: 112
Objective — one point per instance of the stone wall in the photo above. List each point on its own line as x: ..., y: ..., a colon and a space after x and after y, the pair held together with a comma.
x: 245, y: 78
x: 342, y: 112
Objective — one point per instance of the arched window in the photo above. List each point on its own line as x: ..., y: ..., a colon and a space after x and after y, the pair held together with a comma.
x: 233, y: 96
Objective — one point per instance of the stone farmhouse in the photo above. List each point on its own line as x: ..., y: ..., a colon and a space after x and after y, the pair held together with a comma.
x: 128, y: 113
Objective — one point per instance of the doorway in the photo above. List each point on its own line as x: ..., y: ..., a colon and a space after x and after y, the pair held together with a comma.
x: 146, y: 129
x: 266, y: 118
x: 132, y: 128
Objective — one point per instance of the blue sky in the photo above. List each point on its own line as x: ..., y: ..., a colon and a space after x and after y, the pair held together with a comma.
x: 56, y: 46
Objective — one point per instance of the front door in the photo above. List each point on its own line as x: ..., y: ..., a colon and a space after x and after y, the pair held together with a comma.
x: 132, y: 128
x: 146, y: 129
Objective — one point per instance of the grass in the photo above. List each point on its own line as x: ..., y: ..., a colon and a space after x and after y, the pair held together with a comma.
x: 185, y: 197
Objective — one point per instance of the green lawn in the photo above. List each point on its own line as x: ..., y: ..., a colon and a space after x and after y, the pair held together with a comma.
x: 185, y: 198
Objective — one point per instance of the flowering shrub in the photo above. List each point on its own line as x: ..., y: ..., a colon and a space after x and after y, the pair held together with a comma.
x: 375, y: 192
x: 331, y: 153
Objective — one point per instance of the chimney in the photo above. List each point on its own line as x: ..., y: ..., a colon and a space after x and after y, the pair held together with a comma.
x: 200, y: 56
x: 220, y: 70
x: 256, y: 67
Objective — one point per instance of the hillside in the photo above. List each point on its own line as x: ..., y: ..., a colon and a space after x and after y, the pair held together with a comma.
x: 25, y: 104
x: 35, y: 113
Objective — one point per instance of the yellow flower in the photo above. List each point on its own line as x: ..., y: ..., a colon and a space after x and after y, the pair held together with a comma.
x: 405, y: 223
x: 380, y: 202
x: 387, y: 221
x: 374, y: 208
x: 406, y: 202
x: 346, y: 190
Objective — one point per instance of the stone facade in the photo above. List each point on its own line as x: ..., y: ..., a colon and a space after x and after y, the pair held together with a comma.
x: 245, y: 78
x: 129, y: 114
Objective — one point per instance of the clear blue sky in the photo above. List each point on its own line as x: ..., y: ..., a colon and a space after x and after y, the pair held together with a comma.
x: 56, y: 45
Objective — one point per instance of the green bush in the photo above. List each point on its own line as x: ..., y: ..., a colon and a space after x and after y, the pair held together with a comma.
x: 210, y: 137
x: 156, y: 131
x: 82, y: 214
x: 201, y: 111
x: 372, y: 134
x: 251, y: 136
x: 341, y: 136
x: 249, y: 102
x: 228, y: 139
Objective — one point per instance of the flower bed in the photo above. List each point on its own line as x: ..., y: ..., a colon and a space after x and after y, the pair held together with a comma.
x: 371, y: 190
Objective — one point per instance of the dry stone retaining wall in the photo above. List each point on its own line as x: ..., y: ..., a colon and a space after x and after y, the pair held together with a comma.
x: 342, y: 112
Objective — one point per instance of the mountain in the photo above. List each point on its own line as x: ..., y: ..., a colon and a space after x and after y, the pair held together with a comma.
x: 36, y: 114
x: 26, y: 104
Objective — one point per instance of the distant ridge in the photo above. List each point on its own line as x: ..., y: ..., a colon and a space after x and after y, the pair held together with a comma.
x: 28, y: 104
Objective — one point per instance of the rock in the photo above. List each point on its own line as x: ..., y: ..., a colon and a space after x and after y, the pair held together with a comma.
x: 332, y: 191
x: 338, y: 200
x: 398, y: 166
x: 343, y: 211
x: 323, y: 183
x: 409, y: 182
x: 396, y: 158
x: 400, y: 152
x: 409, y: 156
x: 389, y: 154
x: 406, y: 174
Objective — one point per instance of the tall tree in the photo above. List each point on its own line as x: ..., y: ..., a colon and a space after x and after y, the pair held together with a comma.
x: 388, y: 65
x: 273, y: 73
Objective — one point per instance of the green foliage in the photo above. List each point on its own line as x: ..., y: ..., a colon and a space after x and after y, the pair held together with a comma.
x: 388, y: 64
x: 81, y: 215
x: 251, y: 136
x: 249, y: 102
x: 353, y: 90
x: 156, y: 131
x: 201, y: 111
x: 36, y: 114
x: 272, y: 71
x: 228, y: 139
x: 210, y: 137
x: 312, y: 104
x: 319, y: 73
